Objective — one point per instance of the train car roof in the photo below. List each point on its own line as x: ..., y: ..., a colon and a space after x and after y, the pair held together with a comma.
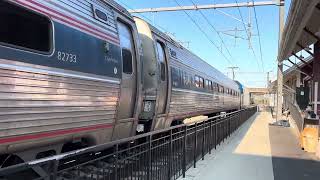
x: 197, y: 63
x: 118, y: 7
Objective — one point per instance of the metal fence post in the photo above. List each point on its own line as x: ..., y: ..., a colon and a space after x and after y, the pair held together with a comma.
x: 240, y: 118
x: 54, y: 167
x: 210, y: 136
x: 229, y: 125
x: 216, y: 134
x: 149, y: 157
x: 223, y: 129
x: 184, y: 165
x: 116, y: 149
x: 195, y: 146
x: 203, y: 138
x: 170, y: 156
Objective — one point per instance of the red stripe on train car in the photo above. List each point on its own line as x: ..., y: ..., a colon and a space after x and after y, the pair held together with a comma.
x: 70, y: 21
x: 53, y: 133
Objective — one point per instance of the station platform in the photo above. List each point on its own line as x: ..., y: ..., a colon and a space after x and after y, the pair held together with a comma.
x: 258, y: 151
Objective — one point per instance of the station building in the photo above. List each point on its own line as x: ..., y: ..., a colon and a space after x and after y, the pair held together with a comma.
x: 300, y: 47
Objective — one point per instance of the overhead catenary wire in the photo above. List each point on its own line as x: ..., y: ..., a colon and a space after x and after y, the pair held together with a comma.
x: 247, y: 33
x: 211, y: 25
x: 257, y: 24
x: 204, y: 33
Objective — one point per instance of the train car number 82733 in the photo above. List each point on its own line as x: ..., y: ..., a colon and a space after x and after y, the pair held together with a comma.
x: 67, y: 57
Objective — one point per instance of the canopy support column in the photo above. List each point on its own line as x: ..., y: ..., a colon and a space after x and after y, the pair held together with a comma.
x: 316, y: 77
x: 280, y: 63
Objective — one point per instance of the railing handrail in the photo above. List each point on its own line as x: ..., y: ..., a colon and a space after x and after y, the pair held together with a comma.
x: 30, y: 164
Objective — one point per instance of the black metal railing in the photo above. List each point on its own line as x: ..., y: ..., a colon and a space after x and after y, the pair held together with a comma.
x: 165, y: 154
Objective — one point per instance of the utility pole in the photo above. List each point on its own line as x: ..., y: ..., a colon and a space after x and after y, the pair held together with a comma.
x: 232, y: 69
x: 268, y: 78
x: 280, y: 63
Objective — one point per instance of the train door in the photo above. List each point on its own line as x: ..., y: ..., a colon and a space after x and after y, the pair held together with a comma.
x: 163, y: 83
x: 128, y: 83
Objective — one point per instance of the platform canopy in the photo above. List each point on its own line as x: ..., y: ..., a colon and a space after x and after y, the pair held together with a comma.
x: 302, y: 27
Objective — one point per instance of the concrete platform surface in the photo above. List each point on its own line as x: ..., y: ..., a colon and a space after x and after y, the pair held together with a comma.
x: 258, y: 151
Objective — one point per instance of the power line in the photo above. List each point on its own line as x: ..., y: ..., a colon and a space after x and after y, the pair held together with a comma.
x: 247, y: 33
x: 255, y: 15
x: 203, y: 32
x: 208, y: 6
x: 210, y: 24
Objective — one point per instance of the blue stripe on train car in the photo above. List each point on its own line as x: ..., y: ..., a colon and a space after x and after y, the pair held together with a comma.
x: 91, y: 53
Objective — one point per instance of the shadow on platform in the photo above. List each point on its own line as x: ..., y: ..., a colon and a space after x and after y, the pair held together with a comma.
x: 288, y: 160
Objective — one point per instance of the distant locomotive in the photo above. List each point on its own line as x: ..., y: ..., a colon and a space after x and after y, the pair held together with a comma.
x: 79, y: 73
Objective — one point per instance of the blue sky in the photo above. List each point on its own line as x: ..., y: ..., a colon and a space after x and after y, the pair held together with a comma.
x: 251, y: 71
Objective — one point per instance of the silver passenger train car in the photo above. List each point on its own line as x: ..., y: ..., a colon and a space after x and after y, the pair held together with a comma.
x: 75, y: 73
x: 178, y: 84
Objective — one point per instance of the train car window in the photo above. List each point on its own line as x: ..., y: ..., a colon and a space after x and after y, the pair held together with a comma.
x: 201, y: 82
x: 101, y: 16
x: 127, y: 61
x: 185, y: 79
x: 24, y: 29
x: 207, y: 84
x: 161, y: 58
x: 180, y: 76
x: 221, y: 89
x: 197, y: 81
x: 175, y: 76
x: 127, y: 47
x: 216, y: 87
x: 190, y: 79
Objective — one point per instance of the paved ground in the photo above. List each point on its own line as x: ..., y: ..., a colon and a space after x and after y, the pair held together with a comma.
x: 258, y: 151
